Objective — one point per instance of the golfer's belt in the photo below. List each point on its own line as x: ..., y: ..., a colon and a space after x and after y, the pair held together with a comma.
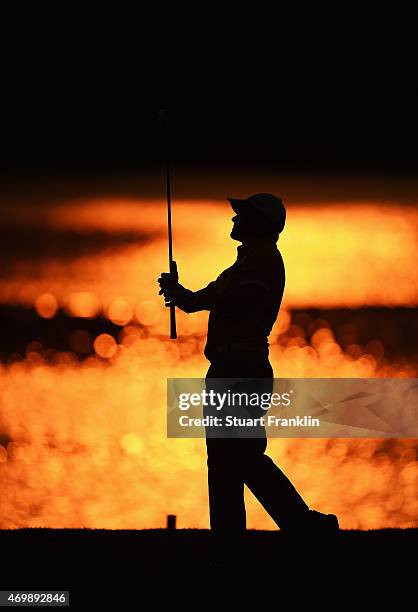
x: 229, y: 347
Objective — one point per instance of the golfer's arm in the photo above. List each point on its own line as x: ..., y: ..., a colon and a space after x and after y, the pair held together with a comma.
x: 193, y: 301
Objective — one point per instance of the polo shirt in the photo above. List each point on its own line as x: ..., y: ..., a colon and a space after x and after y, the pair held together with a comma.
x: 244, y: 300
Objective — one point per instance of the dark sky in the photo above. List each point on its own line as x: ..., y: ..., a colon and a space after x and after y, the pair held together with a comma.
x: 325, y: 136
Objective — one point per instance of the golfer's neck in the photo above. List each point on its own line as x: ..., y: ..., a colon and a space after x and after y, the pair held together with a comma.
x: 256, y: 243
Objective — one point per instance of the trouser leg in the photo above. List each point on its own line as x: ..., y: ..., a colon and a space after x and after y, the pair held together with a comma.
x: 226, y: 487
x: 231, y: 463
x: 273, y: 489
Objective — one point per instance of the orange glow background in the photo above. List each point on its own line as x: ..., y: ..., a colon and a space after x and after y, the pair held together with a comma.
x: 84, y: 441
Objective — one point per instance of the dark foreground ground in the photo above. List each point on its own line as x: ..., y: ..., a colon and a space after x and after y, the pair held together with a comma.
x: 117, y: 569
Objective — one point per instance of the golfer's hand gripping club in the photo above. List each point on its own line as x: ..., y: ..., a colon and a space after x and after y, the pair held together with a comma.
x: 175, y: 276
x: 169, y: 288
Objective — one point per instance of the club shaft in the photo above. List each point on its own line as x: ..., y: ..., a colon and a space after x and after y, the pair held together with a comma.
x: 170, y: 231
x: 173, y: 326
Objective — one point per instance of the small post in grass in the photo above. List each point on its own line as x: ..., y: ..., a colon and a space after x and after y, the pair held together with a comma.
x: 171, y: 522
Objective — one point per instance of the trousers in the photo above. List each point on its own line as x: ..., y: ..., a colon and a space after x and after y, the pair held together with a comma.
x: 233, y: 462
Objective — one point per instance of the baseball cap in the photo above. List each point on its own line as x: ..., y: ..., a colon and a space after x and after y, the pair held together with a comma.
x: 270, y: 206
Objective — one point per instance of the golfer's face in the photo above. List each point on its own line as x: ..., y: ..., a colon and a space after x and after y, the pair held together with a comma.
x: 235, y: 232
x: 241, y: 227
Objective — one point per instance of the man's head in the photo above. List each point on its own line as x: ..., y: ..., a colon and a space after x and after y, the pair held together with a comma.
x: 259, y: 217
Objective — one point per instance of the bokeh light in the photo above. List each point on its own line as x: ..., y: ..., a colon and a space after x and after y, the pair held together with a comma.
x: 83, y: 304
x: 105, y: 346
x: 119, y: 311
x: 46, y: 305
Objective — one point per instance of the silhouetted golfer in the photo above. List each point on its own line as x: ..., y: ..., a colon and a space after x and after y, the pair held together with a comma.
x: 244, y: 302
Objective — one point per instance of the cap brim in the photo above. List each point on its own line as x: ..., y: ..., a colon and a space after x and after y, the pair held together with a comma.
x: 238, y: 205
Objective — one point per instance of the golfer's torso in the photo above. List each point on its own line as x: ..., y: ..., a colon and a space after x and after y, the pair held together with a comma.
x: 232, y: 319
